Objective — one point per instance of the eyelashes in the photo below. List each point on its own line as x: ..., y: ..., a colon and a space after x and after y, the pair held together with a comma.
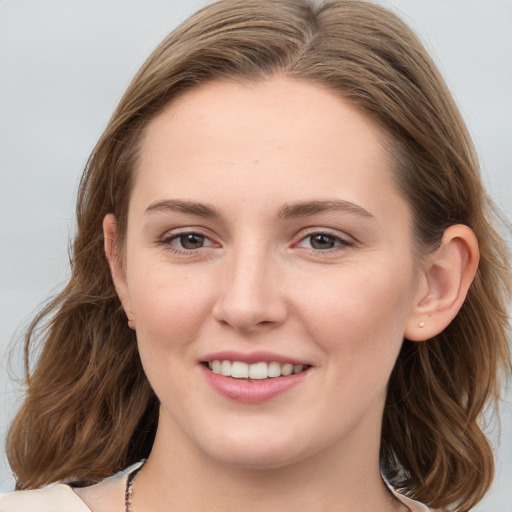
x: 188, y: 242
x: 316, y: 242
x: 324, y: 241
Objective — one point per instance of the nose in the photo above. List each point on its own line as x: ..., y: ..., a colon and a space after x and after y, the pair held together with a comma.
x: 250, y: 297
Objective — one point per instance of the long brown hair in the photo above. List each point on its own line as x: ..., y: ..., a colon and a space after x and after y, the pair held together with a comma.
x: 89, y: 410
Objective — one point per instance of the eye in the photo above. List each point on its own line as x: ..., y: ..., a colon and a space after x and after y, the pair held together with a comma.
x: 323, y: 241
x: 189, y: 241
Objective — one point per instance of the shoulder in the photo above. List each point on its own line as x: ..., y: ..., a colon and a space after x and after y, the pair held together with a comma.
x: 413, y: 506
x: 56, y: 498
x: 106, y: 495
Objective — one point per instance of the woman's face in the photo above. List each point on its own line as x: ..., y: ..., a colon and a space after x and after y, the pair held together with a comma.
x: 266, y: 236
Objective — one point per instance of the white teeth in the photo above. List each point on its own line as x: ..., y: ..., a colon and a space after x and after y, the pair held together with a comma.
x: 225, y: 368
x: 287, y: 369
x: 256, y: 371
x: 274, y: 370
x: 239, y: 370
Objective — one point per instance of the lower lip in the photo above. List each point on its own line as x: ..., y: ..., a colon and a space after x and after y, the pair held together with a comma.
x: 252, y: 391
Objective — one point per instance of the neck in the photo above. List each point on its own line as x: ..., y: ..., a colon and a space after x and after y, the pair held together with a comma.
x: 182, y: 479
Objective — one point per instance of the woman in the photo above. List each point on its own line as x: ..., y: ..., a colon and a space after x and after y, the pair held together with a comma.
x: 286, y: 284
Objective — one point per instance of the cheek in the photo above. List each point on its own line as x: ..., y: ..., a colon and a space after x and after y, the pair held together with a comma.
x: 360, y: 317
x: 169, y: 309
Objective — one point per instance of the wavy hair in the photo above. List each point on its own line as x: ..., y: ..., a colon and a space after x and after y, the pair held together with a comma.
x: 89, y: 410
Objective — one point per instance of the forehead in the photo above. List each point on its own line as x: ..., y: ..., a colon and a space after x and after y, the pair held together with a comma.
x: 310, y: 113
x: 278, y: 138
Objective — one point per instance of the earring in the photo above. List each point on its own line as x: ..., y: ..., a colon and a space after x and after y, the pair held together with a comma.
x: 424, y: 301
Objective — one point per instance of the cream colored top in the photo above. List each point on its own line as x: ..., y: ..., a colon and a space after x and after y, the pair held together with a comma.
x: 62, y: 498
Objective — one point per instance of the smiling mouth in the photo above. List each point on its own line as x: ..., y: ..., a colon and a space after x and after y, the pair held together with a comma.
x: 255, y: 371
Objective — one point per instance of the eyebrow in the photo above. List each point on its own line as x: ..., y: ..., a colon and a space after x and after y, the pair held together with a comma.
x: 300, y: 209
x: 178, y: 205
x: 303, y: 209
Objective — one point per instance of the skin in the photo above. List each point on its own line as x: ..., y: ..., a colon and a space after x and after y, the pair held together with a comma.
x: 261, y: 281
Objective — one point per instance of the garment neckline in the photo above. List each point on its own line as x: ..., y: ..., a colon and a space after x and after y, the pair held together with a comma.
x: 121, y: 475
x: 412, y: 505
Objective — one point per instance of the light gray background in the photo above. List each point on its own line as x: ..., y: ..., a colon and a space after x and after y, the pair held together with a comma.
x: 64, y: 65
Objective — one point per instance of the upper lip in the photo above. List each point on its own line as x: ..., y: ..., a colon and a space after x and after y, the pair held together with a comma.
x: 252, y: 357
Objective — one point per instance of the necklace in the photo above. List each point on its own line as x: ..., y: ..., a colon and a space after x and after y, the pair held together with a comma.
x: 129, y: 488
x: 131, y: 477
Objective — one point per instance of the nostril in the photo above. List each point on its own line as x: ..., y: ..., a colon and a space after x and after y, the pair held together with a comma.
x: 248, y: 299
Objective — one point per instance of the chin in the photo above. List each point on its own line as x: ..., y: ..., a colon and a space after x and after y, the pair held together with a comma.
x: 257, y: 452
x: 252, y: 459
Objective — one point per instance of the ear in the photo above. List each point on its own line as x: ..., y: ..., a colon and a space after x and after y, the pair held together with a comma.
x: 116, y: 264
x: 444, y: 283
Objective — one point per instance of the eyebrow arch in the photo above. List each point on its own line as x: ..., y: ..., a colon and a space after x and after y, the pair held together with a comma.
x: 306, y: 208
x: 177, y: 205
